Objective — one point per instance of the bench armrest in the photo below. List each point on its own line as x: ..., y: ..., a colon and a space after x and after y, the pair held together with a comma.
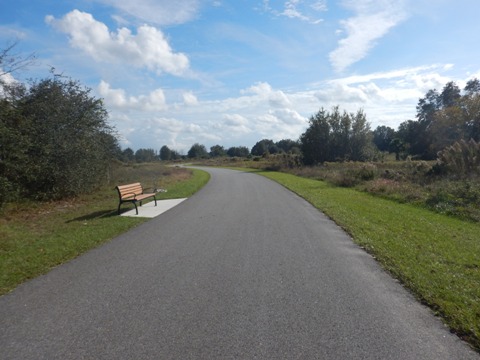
x: 129, y: 196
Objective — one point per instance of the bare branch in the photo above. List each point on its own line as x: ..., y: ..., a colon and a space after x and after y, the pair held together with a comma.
x: 11, y: 62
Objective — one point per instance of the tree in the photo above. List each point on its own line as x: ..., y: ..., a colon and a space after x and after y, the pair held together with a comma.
x: 165, y: 153
x: 10, y: 62
x: 14, y: 143
x: 238, y: 151
x: 340, y: 132
x: 128, y: 154
x: 176, y: 155
x: 336, y: 136
x: 382, y: 138
x: 217, y: 151
x: 450, y: 95
x: 471, y: 115
x: 472, y: 87
x: 262, y: 147
x: 65, y: 143
x: 197, y: 151
x: 360, y: 137
x: 288, y: 146
x: 470, y: 104
x: 443, y: 119
x: 398, y: 147
x: 315, y: 140
x: 428, y: 105
x: 414, y: 138
x: 145, y: 155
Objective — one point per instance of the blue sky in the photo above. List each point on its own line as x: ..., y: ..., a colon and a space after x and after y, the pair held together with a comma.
x: 233, y: 72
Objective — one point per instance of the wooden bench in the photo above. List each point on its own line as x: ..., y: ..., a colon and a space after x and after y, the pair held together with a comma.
x: 133, y: 193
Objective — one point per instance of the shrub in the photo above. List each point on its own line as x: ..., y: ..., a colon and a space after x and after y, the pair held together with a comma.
x: 367, y: 172
x: 461, y: 158
x: 54, y: 141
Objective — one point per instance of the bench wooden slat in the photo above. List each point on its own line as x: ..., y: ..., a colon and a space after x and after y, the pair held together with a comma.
x: 133, y: 193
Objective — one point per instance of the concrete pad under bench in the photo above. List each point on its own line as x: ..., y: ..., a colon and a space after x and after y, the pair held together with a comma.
x: 150, y: 210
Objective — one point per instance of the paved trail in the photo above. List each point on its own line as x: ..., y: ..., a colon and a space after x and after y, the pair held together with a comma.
x: 242, y: 270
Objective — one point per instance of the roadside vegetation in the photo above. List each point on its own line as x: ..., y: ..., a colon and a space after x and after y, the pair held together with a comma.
x: 434, y: 255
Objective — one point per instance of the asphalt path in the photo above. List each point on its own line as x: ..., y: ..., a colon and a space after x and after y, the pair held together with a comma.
x: 244, y: 269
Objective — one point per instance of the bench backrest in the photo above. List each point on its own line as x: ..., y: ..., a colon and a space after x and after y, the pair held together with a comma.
x: 129, y: 191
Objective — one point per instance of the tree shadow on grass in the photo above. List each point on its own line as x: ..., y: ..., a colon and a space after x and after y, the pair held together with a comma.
x: 95, y: 215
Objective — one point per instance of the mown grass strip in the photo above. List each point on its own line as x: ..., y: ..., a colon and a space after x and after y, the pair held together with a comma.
x: 437, y: 257
x: 35, y: 240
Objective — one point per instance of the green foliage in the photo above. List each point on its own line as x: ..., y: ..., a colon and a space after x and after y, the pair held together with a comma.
x: 443, y: 119
x: 128, y: 155
x: 145, y: 155
x: 289, y: 146
x: 353, y: 174
x: 165, y: 153
x: 383, y: 137
x: 55, y: 140
x: 238, y: 151
x: 264, y: 146
x: 197, y: 151
x: 217, y: 151
x: 336, y: 136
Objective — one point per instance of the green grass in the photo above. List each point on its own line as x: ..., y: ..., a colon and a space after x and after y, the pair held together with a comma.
x: 36, y: 237
x: 435, y: 256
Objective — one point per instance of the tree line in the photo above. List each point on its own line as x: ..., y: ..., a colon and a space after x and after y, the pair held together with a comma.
x: 442, y: 119
x: 55, y: 140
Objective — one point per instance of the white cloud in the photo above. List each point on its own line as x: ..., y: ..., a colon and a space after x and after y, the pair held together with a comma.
x: 304, y: 10
x: 161, y: 12
x: 372, y: 21
x: 190, y: 99
x: 320, y: 5
x: 117, y: 99
x: 234, y: 123
x: 263, y: 91
x: 5, y: 79
x: 261, y: 111
x: 148, y: 48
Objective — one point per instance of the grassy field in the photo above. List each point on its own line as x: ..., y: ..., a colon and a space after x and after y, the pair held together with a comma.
x: 436, y: 256
x: 36, y: 237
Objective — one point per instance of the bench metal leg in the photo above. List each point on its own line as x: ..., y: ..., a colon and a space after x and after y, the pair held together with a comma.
x: 133, y: 202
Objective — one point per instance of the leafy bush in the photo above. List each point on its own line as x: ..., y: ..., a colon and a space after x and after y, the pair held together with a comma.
x: 54, y: 140
x: 6, y: 190
x: 457, y: 198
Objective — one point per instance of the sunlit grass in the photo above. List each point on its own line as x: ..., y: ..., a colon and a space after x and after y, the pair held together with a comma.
x: 436, y: 256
